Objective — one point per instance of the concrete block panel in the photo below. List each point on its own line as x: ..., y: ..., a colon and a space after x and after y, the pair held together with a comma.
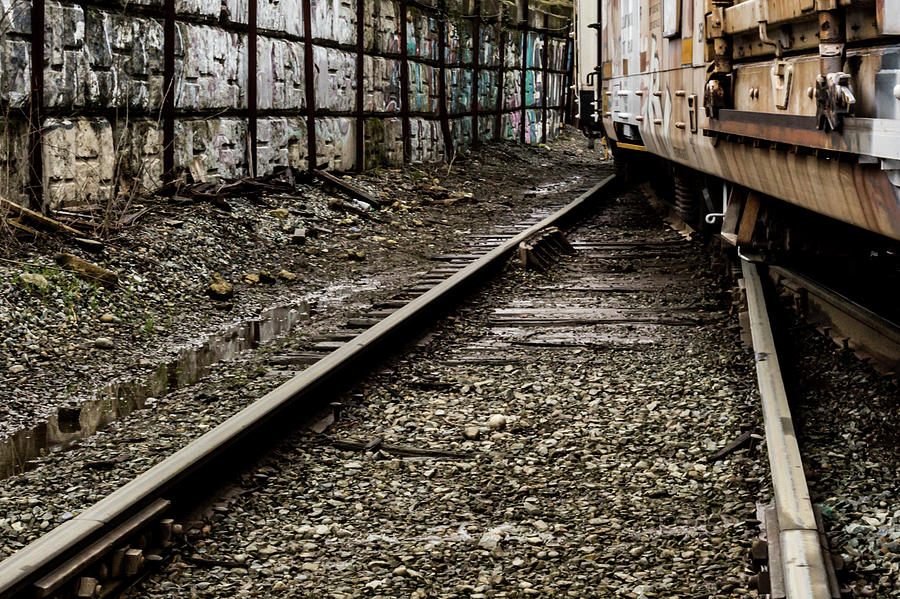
x: 210, y: 68
x: 335, y: 79
x: 126, y: 61
x: 67, y: 62
x: 79, y: 161
x: 334, y: 20
x: 283, y: 16
x: 533, y: 50
x: 534, y: 88
x: 513, y: 50
x: 336, y: 143
x: 421, y: 34
x: 459, y: 42
x: 510, y: 125
x: 512, y: 89
x: 486, y: 126
x: 556, y: 54
x: 461, y: 132
x: 459, y: 90
x: 280, y: 74
x: 281, y: 141
x: 533, y: 126
x: 383, y: 142
x: 215, y: 147
x: 489, y: 46
x: 382, y: 84
x: 487, y: 90
x: 382, y: 31
x: 426, y: 141
x: 15, y: 72
x: 140, y: 145
x: 14, y: 163
x: 555, y: 82
x: 199, y: 8
x: 16, y: 17
x: 423, y: 88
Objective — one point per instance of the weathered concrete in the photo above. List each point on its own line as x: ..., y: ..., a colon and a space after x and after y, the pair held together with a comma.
x: 108, y: 63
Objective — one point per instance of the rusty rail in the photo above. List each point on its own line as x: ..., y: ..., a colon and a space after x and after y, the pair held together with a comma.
x: 801, y: 558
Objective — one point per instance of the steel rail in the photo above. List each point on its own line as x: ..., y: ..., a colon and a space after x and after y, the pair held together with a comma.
x: 802, y: 561
x: 56, y: 549
x: 871, y: 335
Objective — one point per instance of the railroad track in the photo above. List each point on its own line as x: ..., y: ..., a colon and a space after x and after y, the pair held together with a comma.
x: 635, y: 296
x: 119, y: 536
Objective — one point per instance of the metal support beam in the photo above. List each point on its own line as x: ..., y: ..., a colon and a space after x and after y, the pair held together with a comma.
x: 251, y: 85
x: 309, y: 82
x: 168, y: 112
x: 35, y: 124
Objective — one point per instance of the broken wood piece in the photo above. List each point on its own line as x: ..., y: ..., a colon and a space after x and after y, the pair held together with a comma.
x: 36, y: 219
x: 86, y: 270
x: 338, y: 204
x: 742, y: 440
x: 23, y: 230
x: 351, y: 190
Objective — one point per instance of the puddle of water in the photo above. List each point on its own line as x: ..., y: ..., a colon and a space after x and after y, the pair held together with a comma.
x: 120, y: 398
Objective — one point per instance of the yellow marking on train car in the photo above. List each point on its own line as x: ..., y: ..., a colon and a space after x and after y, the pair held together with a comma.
x: 687, y: 50
x: 634, y: 147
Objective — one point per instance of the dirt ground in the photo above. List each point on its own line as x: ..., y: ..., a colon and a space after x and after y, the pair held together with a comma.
x: 63, y: 338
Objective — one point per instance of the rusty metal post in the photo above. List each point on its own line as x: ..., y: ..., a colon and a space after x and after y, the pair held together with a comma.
x: 309, y: 82
x: 251, y: 85
x: 498, y: 115
x: 545, y: 76
x: 404, y: 83
x: 35, y: 120
x: 168, y: 112
x: 476, y: 66
x: 442, y: 80
x: 567, y: 81
x: 360, y: 85
x: 523, y: 9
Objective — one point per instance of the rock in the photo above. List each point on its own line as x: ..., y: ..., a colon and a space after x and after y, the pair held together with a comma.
x: 280, y: 213
x: 355, y: 255
x: 220, y: 289
x: 16, y: 368
x: 108, y: 318
x: 34, y: 279
x: 497, y: 422
x: 491, y: 539
x: 472, y: 433
x: 266, y: 277
x: 286, y: 275
x: 250, y: 278
x: 104, y: 343
x: 299, y: 236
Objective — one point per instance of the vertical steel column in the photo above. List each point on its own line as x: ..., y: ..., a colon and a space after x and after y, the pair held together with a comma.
x: 545, y: 75
x: 309, y: 81
x: 251, y: 84
x: 35, y: 135
x: 524, y: 72
x: 168, y: 115
x: 498, y: 115
x: 476, y: 65
x: 404, y: 83
x: 442, y: 79
x: 360, y: 85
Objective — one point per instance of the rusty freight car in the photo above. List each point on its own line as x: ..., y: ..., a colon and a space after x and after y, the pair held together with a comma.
x: 779, y: 109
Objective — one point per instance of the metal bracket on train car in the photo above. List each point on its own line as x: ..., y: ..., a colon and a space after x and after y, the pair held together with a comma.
x: 834, y: 98
x: 782, y: 77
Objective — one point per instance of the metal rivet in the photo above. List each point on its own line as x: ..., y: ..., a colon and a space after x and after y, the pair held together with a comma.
x: 810, y: 91
x: 897, y: 91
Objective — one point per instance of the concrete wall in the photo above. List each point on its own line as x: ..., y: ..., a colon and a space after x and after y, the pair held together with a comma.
x: 104, y: 91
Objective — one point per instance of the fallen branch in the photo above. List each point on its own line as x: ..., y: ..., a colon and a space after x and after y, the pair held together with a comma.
x: 86, y: 270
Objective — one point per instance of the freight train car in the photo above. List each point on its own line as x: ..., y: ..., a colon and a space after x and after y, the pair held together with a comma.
x: 769, y: 113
